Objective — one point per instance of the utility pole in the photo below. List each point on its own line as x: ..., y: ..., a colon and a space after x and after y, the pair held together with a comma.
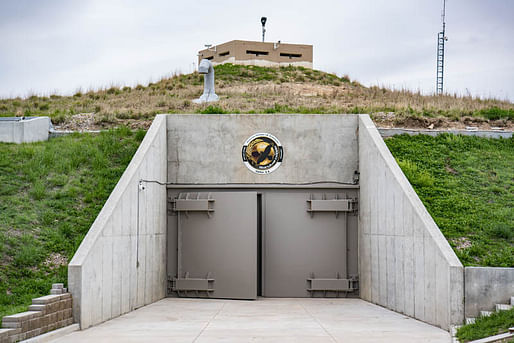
x: 441, y: 38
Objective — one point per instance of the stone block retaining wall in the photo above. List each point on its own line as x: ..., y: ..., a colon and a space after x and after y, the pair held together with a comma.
x: 46, y: 313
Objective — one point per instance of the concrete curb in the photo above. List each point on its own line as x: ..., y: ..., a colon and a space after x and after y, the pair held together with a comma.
x: 53, y: 334
x: 57, y: 133
x: 384, y: 132
x: 389, y: 132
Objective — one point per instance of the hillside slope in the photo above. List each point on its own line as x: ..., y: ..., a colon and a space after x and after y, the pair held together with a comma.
x: 467, y: 185
x: 251, y: 89
x: 50, y: 194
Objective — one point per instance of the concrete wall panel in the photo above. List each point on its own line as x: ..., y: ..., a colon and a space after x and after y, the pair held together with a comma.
x: 107, y: 258
x: 391, y: 271
x: 382, y: 270
x: 316, y: 147
x: 408, y: 264
x: 399, y: 274
x: 103, y: 276
x: 442, y: 312
x: 430, y: 279
x: 409, y: 260
x: 375, y: 268
x: 486, y: 287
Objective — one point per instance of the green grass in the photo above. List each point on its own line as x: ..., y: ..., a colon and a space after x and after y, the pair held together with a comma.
x: 495, y: 113
x: 212, y: 110
x: 498, y: 322
x: 50, y: 194
x: 240, y: 73
x: 467, y: 185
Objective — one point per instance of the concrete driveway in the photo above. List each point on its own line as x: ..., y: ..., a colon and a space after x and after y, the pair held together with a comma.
x: 263, y: 320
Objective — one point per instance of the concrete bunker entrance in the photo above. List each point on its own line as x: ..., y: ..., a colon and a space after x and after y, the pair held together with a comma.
x: 241, y: 243
x: 335, y: 217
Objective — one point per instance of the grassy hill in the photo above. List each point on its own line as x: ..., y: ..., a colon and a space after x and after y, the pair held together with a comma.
x: 252, y: 89
x: 467, y: 185
x: 50, y: 194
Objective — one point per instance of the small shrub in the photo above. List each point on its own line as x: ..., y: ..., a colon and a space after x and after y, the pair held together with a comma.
x: 58, y: 117
x: 140, y: 134
x: 38, y: 190
x: 504, y: 231
x: 495, y: 113
x: 417, y: 177
x: 114, y: 90
x: 28, y: 254
x: 213, y: 110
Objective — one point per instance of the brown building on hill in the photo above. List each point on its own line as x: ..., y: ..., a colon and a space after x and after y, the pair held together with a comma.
x: 259, y: 53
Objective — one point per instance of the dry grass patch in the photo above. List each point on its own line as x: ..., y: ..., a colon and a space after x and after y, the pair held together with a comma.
x: 251, y: 89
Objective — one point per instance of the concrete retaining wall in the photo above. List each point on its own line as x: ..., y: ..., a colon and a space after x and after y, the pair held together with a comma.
x: 487, y: 286
x: 406, y: 264
x: 24, y: 131
x: 103, y: 275
x: 207, y: 148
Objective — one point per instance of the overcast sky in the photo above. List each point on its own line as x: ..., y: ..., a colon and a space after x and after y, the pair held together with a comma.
x: 50, y: 46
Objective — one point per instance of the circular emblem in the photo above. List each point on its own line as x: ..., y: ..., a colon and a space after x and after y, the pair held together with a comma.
x: 262, y: 153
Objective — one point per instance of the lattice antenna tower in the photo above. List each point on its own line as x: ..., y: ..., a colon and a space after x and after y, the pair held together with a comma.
x: 441, y: 38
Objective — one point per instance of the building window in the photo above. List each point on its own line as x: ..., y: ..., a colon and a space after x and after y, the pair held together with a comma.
x: 290, y: 55
x: 224, y: 53
x: 256, y: 53
x: 209, y: 58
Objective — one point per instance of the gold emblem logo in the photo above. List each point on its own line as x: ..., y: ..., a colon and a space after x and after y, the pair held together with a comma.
x: 262, y: 153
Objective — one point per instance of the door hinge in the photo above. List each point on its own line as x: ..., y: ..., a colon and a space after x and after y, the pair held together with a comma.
x: 336, y: 284
x: 185, y: 285
x: 348, y: 205
x: 190, y: 202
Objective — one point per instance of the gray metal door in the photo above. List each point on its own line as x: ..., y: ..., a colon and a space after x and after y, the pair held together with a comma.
x: 216, y: 245
x: 305, y: 245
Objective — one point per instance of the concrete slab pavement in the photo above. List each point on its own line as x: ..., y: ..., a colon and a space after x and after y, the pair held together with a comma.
x: 265, y: 320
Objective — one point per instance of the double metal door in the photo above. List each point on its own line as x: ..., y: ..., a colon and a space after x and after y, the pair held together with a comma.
x: 243, y: 244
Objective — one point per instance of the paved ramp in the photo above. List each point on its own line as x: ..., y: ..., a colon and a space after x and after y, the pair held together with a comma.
x: 263, y: 320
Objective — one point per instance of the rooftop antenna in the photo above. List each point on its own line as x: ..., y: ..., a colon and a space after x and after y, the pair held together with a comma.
x: 209, y: 46
x: 441, y: 38
x: 263, y: 22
